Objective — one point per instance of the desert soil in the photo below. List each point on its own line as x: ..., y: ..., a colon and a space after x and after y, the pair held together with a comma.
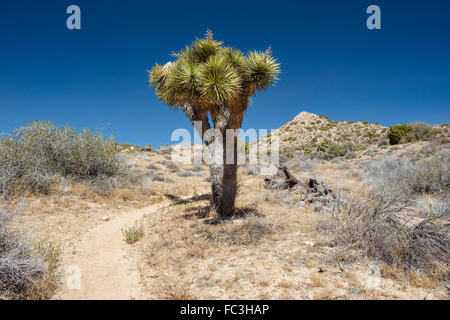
x: 107, y: 263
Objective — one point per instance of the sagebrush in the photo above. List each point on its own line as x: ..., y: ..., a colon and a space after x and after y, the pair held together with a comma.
x: 36, y: 156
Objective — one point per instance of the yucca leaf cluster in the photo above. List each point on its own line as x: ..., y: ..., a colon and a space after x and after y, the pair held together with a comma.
x: 206, y: 74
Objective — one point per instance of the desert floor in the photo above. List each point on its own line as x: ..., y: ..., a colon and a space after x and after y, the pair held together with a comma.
x: 274, y: 250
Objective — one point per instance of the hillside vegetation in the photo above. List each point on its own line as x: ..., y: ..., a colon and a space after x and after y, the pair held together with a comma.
x: 320, y: 137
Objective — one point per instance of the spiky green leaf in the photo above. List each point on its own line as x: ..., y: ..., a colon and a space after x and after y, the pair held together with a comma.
x: 219, y: 80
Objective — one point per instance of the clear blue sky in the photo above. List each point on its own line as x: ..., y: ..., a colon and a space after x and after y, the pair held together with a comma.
x: 331, y: 63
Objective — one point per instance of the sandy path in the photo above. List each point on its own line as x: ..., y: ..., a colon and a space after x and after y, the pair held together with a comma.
x: 107, y: 264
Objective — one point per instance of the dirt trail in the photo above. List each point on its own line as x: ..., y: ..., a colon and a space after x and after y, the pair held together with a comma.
x: 107, y: 264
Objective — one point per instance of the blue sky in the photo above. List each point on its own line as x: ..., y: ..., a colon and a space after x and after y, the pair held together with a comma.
x: 331, y: 63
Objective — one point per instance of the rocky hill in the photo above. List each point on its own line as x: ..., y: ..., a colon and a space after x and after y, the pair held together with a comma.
x: 310, y: 133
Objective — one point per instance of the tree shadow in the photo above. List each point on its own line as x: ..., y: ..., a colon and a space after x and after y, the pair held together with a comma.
x: 198, y: 212
x: 177, y: 200
x: 240, y: 213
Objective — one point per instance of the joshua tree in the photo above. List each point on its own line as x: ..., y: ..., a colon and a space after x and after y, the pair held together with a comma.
x: 209, y: 78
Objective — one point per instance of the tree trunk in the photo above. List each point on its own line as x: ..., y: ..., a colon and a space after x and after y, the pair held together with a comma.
x: 216, y: 172
x: 226, y: 205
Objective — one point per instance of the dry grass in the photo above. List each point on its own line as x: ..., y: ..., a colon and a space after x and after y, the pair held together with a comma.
x: 27, y: 270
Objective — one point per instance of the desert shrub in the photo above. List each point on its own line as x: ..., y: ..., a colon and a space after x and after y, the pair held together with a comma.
x: 197, y: 168
x: 35, y: 156
x: 328, y: 150
x: 170, y: 164
x: 323, y: 146
x: 154, y: 177
x: 345, y: 136
x: 133, y: 234
x: 412, y: 132
x: 351, y: 155
x: 371, y: 134
x: 343, y: 165
x: 397, y: 177
x: 432, y: 176
x: 183, y: 173
x: 164, y: 150
x: 376, y: 228
x: 383, y: 141
x: 400, y: 133
x: 307, y: 149
x: 335, y: 150
x: 26, y: 272
x: 104, y: 185
x: 301, y: 163
x: 251, y: 169
x: 152, y: 166
x: 336, y: 160
x: 125, y: 146
x: 423, y: 131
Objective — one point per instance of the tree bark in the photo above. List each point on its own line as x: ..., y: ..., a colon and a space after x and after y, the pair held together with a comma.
x: 229, y: 184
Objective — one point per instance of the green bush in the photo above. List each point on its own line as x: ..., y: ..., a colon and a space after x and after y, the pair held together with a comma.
x: 412, y: 132
x: 400, y: 133
x: 335, y: 150
x: 307, y: 149
x: 126, y: 145
x: 371, y: 134
x: 35, y: 156
x: 133, y: 234
x: 323, y: 146
x: 328, y: 150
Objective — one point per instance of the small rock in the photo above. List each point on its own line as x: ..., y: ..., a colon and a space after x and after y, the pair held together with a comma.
x: 302, y: 204
x: 105, y: 218
x: 310, y: 243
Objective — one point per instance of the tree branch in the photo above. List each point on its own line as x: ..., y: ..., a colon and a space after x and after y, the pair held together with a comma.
x: 195, y: 116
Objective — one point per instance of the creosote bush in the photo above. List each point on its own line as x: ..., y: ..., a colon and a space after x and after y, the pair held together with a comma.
x: 36, y: 156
